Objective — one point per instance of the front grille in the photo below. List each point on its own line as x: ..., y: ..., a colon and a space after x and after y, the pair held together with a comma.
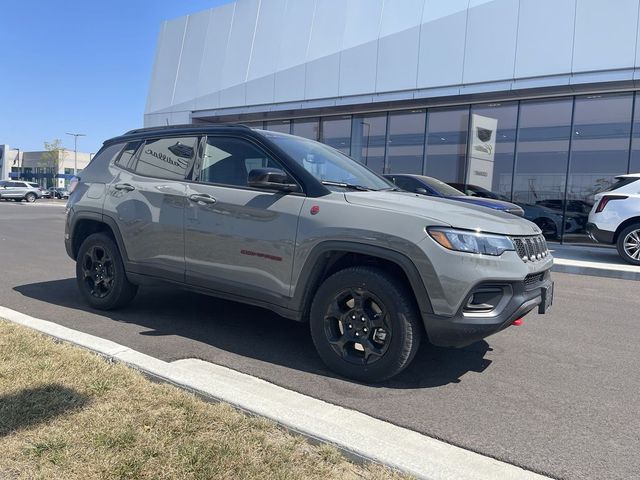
x: 531, y: 249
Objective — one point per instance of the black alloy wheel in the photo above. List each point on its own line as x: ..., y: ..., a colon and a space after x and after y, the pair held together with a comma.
x: 98, y: 271
x: 357, y: 326
x: 365, y: 323
x: 101, y: 275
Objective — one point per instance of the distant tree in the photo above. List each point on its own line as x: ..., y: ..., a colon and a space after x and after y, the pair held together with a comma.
x: 52, y: 157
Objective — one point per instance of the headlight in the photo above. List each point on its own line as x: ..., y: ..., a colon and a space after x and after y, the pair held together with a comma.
x: 471, y: 242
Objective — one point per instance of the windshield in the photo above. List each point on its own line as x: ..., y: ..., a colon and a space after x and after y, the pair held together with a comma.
x: 326, y: 163
x: 619, y: 183
x: 441, y: 187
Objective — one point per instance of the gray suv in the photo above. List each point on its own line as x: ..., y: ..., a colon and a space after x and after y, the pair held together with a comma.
x: 297, y: 227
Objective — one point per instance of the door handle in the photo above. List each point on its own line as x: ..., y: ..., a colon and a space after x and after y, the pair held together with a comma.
x: 124, y: 186
x: 202, y: 198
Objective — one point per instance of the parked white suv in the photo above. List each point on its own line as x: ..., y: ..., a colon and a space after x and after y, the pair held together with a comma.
x: 615, y: 217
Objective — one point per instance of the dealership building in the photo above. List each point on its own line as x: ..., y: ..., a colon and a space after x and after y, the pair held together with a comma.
x: 532, y: 101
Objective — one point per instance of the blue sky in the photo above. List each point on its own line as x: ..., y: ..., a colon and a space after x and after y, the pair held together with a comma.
x: 78, y: 66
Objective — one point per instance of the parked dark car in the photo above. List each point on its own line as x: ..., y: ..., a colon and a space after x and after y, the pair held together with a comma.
x: 433, y: 187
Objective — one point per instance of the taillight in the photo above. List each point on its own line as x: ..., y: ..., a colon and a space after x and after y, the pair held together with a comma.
x: 606, y: 199
x: 73, y: 184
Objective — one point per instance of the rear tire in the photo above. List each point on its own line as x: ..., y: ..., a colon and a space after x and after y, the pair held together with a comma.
x: 628, y: 244
x: 365, y: 324
x: 100, y: 274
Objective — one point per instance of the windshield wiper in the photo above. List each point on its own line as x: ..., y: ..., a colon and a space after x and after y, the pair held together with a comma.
x: 346, y: 185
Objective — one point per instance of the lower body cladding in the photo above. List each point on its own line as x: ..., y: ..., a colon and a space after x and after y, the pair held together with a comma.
x: 598, y: 235
x: 489, y: 308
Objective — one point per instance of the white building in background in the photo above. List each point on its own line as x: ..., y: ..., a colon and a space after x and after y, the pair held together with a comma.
x: 404, y: 85
x: 35, y: 166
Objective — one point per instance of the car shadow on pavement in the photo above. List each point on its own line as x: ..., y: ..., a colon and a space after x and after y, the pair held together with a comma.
x: 246, y: 331
x: 32, y: 406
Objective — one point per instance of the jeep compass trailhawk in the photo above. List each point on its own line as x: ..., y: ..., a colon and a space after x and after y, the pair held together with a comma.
x: 297, y: 227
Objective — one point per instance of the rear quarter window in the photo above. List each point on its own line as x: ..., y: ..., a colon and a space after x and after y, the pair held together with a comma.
x: 622, y: 182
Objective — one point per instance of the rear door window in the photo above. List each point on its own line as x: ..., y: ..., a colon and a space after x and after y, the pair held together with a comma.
x: 169, y: 158
x: 621, y: 182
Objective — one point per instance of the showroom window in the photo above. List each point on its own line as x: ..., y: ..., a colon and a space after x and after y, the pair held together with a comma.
x: 634, y: 160
x: 368, y: 139
x: 492, y: 147
x: 282, y: 126
x: 599, y: 151
x: 307, y: 128
x: 541, y: 161
x: 447, y: 143
x: 405, y: 147
x: 336, y: 132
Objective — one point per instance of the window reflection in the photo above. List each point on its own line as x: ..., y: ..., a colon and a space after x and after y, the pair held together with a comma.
x: 282, y: 126
x: 541, y: 163
x: 405, y: 150
x: 634, y: 165
x: 447, y: 143
x: 599, y: 152
x: 368, y: 139
x: 307, y: 128
x: 336, y: 132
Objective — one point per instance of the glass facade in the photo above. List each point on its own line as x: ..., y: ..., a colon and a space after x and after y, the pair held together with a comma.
x: 549, y: 156
x: 405, y: 147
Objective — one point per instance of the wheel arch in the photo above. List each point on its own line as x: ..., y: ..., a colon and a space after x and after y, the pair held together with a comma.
x: 330, y: 257
x: 628, y: 222
x: 85, y: 224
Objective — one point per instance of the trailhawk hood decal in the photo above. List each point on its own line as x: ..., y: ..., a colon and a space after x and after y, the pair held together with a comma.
x: 439, y: 211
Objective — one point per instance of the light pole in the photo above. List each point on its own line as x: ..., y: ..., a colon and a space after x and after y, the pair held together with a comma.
x: 75, y: 150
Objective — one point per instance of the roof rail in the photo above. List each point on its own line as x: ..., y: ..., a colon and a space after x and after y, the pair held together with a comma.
x: 183, y: 127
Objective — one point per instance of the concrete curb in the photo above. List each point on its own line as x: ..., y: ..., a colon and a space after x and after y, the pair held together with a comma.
x: 583, y: 268
x: 356, y: 434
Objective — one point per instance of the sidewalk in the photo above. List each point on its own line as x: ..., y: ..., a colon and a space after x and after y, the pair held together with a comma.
x: 596, y: 261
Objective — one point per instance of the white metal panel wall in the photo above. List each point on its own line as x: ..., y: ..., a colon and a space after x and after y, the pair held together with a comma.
x: 322, y: 76
x: 164, y: 71
x: 442, y: 42
x: 548, y: 53
x: 189, y: 65
x: 236, y: 62
x: 491, y: 40
x: 296, y: 30
x: 264, y: 61
x: 215, y: 51
x: 398, y: 45
x: 314, y: 52
x: 359, y: 56
x: 605, y: 35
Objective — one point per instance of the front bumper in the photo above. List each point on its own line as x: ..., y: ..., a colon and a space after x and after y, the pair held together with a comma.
x: 464, y: 329
x: 598, y: 235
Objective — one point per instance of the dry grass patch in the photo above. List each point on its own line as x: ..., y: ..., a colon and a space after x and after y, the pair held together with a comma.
x: 66, y: 413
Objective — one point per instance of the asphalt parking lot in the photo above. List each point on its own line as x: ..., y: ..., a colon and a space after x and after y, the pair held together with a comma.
x: 558, y: 395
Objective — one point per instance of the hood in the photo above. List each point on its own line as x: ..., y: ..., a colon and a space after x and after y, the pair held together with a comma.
x: 487, y: 202
x: 442, y: 211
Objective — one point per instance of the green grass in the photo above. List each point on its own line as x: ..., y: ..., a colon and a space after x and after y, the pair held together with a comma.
x: 68, y: 414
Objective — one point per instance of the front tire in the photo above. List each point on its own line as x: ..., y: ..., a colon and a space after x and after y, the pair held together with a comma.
x: 100, y: 274
x: 365, y: 324
x: 30, y: 197
x: 629, y: 244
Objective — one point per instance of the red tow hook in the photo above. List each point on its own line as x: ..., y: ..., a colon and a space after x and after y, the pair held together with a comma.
x: 518, y: 322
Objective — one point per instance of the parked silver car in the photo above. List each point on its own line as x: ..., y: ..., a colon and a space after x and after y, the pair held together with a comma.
x: 18, y: 190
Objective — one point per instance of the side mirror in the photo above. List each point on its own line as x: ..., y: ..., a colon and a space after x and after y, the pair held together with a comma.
x: 271, y: 179
x: 422, y: 191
